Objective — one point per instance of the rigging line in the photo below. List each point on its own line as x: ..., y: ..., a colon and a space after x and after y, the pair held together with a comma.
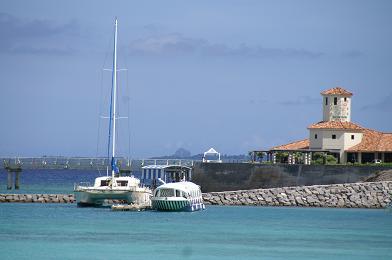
x: 129, y: 116
x: 128, y: 104
x: 110, y: 110
x: 120, y: 92
x: 99, y: 120
x: 102, y: 99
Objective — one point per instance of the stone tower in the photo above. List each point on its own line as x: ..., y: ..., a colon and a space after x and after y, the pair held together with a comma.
x: 336, y: 105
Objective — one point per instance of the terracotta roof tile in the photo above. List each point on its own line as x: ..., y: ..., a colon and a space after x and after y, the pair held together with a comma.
x: 373, y: 141
x: 335, y: 125
x: 337, y: 91
x: 297, y: 145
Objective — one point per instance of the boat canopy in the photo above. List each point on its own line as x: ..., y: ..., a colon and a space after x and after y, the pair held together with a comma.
x: 167, y: 173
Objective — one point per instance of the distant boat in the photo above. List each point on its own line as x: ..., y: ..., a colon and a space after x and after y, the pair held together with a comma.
x: 178, y: 196
x: 114, y: 187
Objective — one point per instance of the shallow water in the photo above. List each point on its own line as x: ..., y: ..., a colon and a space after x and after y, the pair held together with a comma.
x: 48, y: 231
x: 50, y: 181
x: 63, y: 231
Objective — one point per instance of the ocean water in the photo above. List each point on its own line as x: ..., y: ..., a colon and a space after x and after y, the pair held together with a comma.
x: 64, y: 231
x: 51, y: 181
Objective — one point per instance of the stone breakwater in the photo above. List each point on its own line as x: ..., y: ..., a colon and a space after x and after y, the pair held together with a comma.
x: 38, y: 198
x: 45, y: 198
x: 352, y: 195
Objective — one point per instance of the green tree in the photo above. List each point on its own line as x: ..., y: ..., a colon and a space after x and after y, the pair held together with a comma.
x: 282, y: 157
x: 322, y: 158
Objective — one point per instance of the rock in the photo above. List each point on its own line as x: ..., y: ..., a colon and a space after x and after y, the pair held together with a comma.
x: 299, y: 201
x: 341, y: 203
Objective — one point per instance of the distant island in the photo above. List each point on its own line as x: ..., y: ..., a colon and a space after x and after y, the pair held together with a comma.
x: 182, y: 153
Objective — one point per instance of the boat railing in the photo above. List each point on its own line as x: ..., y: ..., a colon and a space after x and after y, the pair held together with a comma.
x: 81, y: 184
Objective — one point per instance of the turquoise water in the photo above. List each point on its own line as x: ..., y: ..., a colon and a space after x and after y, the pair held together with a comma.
x: 63, y: 231
x: 50, y: 181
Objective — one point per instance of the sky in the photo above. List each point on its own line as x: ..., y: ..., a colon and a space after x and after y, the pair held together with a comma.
x: 233, y: 75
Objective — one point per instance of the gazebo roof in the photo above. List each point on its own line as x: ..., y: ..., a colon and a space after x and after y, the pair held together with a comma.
x: 211, y: 151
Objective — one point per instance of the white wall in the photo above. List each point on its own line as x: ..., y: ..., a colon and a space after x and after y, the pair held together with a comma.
x: 348, y: 142
x: 324, y: 139
x: 339, y: 112
x: 315, y: 143
x: 329, y: 143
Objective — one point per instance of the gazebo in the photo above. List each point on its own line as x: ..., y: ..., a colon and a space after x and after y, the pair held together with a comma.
x: 212, y: 153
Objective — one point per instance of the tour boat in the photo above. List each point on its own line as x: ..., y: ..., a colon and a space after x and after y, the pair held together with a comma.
x: 178, y: 196
x: 114, y: 187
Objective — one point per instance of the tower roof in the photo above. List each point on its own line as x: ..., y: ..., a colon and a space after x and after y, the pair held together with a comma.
x: 335, y: 125
x: 337, y: 91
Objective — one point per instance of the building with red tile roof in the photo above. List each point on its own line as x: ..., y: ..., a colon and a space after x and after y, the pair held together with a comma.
x: 297, y: 145
x: 335, y: 125
x: 337, y: 135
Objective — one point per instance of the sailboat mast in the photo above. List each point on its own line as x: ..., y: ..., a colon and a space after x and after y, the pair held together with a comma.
x: 114, y: 95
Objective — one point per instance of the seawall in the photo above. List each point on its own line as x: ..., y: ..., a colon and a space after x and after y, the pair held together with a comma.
x: 350, y: 195
x: 243, y: 176
x: 37, y: 198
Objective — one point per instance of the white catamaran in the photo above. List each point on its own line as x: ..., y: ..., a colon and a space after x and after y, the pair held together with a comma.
x: 127, y: 188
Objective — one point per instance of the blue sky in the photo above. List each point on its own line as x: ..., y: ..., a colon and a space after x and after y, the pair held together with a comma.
x: 233, y: 75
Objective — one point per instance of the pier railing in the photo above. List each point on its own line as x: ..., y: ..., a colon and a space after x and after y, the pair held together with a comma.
x: 84, y: 163
x: 91, y: 163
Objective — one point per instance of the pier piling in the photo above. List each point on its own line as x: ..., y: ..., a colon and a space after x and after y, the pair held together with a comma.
x: 9, y: 181
x: 17, y: 180
x: 10, y: 171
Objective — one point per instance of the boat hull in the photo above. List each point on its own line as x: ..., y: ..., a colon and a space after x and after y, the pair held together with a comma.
x: 98, y: 197
x: 168, y: 204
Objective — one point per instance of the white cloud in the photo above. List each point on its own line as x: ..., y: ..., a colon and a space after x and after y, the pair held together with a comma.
x: 176, y: 43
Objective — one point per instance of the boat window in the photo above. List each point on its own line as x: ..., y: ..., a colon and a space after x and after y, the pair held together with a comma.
x: 178, y: 193
x: 105, y: 182
x: 122, y: 183
x: 156, y: 193
x: 167, y: 193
